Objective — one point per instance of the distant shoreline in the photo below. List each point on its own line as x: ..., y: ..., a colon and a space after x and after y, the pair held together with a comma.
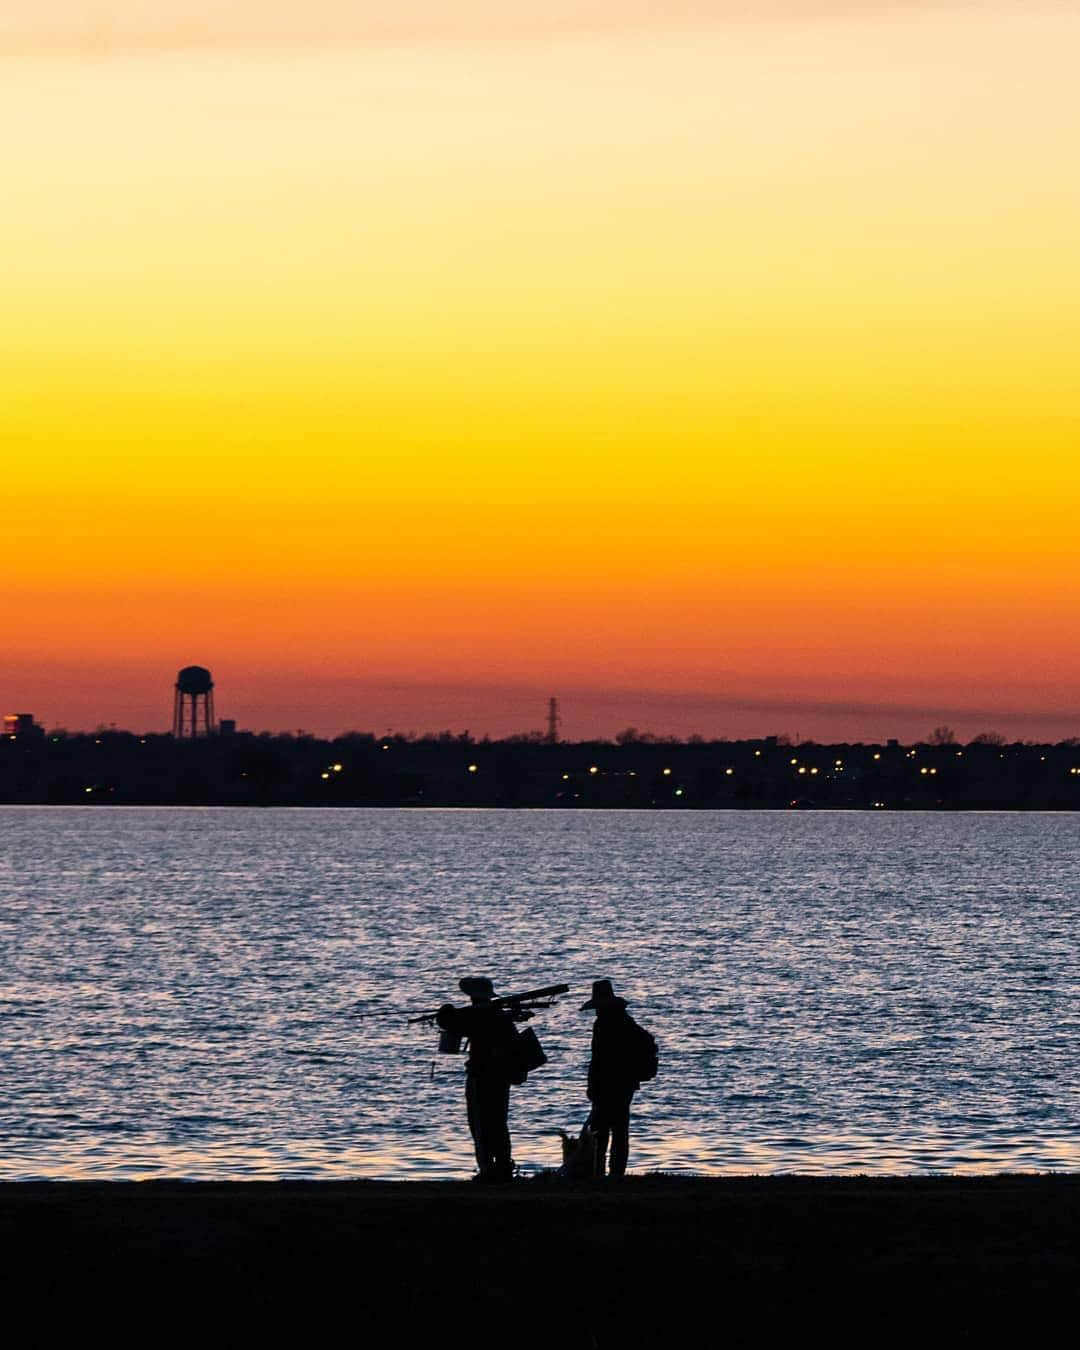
x: 244, y: 769
x: 747, y: 1260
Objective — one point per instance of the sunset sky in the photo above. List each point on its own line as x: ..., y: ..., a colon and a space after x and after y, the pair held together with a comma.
x: 408, y: 361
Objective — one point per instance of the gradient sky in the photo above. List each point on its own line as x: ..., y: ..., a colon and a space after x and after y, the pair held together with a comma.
x: 406, y: 363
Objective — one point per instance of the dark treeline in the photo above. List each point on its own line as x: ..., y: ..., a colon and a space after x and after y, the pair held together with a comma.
x: 243, y: 768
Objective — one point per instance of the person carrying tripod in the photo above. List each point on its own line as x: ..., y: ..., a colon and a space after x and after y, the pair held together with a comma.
x: 489, y: 1071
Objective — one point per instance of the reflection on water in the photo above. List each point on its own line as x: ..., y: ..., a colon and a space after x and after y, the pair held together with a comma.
x: 831, y: 992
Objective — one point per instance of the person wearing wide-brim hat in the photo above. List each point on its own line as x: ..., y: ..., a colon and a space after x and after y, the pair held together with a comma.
x: 487, y: 1074
x: 623, y: 1057
x: 603, y: 996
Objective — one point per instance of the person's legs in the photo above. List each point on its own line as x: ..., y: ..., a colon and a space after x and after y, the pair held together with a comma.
x: 619, y: 1109
x: 474, y: 1108
x: 491, y: 1107
x: 600, y: 1120
x: 501, y: 1157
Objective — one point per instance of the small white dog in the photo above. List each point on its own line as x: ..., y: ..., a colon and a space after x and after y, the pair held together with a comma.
x: 579, y: 1155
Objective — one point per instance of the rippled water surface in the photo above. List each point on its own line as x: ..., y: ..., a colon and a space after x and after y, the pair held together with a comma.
x: 179, y: 989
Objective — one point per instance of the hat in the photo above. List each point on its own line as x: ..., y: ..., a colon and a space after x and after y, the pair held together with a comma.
x: 478, y: 987
x: 603, y: 996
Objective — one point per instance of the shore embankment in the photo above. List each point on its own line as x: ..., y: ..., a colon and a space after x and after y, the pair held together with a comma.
x: 759, y: 1261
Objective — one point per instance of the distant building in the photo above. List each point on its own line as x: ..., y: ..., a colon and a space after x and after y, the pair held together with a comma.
x: 20, y: 724
x: 226, y: 726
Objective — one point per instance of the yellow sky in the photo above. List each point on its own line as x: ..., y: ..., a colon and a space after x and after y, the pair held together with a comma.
x: 733, y: 361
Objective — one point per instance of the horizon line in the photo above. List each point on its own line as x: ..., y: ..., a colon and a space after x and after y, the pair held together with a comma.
x: 621, y: 739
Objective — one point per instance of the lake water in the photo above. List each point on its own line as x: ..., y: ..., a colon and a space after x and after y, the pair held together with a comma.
x: 832, y: 992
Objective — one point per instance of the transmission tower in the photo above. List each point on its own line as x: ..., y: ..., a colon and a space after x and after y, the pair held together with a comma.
x: 553, y: 720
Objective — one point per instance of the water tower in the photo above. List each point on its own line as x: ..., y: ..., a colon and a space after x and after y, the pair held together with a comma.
x: 193, y: 705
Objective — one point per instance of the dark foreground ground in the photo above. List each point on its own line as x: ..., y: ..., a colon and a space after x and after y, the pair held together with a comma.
x: 655, y: 1261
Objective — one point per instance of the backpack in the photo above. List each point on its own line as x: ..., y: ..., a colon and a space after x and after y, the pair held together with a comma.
x: 525, y: 1053
x: 646, y: 1056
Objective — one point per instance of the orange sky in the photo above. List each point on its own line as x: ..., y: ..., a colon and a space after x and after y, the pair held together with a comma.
x: 717, y: 378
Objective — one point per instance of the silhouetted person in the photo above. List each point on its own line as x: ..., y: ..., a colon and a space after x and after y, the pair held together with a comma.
x: 489, y: 1071
x: 623, y: 1056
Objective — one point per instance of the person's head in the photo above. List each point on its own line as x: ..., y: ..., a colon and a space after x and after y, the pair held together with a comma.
x: 603, y: 999
x: 478, y: 987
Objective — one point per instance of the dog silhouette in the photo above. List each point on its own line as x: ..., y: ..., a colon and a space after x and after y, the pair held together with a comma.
x: 579, y: 1153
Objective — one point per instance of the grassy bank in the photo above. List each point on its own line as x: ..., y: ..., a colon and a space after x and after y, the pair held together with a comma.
x: 753, y: 1261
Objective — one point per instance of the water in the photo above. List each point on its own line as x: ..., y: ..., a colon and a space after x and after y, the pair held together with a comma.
x: 832, y: 992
